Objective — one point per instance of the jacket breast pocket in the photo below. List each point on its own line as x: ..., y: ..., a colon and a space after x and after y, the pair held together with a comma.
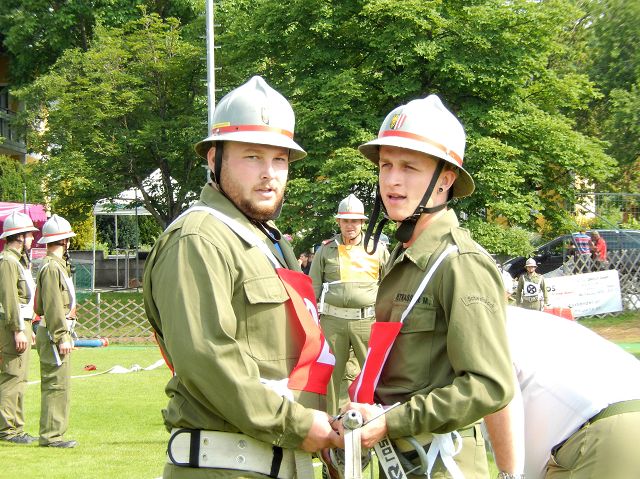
x: 415, y: 347
x: 267, y: 328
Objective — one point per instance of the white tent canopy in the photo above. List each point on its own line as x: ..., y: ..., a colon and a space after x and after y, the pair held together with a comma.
x: 121, y: 205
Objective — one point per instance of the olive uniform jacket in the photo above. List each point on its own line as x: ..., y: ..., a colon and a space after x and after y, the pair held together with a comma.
x: 13, y: 289
x: 53, y: 298
x: 345, y: 293
x: 218, y: 308
x: 450, y: 364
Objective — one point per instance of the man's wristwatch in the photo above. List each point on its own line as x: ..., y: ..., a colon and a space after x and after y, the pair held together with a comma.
x: 506, y: 475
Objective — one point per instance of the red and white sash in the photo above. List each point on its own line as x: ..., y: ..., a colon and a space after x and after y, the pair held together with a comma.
x: 383, y: 335
x: 315, y: 364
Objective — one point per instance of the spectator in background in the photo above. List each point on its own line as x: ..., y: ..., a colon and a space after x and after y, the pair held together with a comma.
x: 583, y: 242
x: 598, y: 251
x: 304, y: 261
x: 576, y: 412
x: 345, y: 281
x: 531, y: 292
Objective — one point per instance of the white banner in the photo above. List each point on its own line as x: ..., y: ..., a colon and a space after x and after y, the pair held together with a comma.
x: 586, y: 294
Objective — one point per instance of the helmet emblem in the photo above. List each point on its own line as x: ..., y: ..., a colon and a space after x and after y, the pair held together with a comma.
x: 265, y: 115
x: 397, y: 121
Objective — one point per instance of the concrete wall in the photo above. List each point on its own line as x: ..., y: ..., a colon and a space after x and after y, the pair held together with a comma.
x: 111, y: 272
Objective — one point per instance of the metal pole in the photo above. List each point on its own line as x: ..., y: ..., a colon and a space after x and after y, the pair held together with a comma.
x: 117, y: 255
x: 93, y: 270
x: 211, y: 71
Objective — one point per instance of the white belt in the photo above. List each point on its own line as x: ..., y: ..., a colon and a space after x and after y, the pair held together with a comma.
x: 349, y: 313
x: 26, y: 311
x: 225, y: 450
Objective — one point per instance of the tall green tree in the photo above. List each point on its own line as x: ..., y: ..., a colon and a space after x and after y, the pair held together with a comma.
x: 37, y: 32
x: 613, y: 32
x: 498, y: 65
x: 109, y: 116
x: 17, y: 179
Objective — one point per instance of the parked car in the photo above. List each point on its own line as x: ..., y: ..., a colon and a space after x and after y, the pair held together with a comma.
x: 552, y: 255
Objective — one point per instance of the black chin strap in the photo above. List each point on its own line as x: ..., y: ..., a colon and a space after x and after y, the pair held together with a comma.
x: 217, y: 177
x: 377, y: 207
x: 405, y: 230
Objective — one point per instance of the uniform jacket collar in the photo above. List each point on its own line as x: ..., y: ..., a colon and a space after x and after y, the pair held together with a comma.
x: 212, y: 198
x: 431, y: 238
x: 17, y: 254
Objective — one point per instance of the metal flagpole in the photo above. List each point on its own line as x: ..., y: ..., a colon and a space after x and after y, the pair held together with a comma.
x: 211, y: 70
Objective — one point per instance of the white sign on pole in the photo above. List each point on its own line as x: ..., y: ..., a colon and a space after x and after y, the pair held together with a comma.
x: 586, y: 294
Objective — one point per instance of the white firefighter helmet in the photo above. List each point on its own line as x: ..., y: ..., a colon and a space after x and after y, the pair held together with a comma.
x: 253, y: 113
x: 17, y: 223
x: 55, y: 229
x: 530, y: 262
x: 351, y: 208
x: 425, y: 125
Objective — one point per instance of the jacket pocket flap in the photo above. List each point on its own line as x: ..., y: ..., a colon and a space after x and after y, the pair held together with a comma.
x: 265, y: 289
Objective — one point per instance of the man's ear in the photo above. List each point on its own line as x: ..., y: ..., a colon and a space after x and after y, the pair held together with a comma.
x: 447, y: 178
x: 211, y: 157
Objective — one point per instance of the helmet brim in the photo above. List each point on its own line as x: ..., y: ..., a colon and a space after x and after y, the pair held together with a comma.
x: 258, y: 137
x: 26, y: 229
x: 53, y: 238
x: 464, y: 184
x: 351, y: 216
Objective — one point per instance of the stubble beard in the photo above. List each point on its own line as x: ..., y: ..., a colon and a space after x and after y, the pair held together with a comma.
x: 260, y: 213
x: 253, y: 210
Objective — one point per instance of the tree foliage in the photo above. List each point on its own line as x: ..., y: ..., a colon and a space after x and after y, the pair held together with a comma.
x: 17, y: 179
x: 130, y: 104
x: 37, y: 32
x: 519, y: 75
x: 613, y: 32
x: 498, y: 65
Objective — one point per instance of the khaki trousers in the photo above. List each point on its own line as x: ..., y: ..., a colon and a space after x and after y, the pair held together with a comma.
x: 14, y: 368
x: 607, y: 448
x: 342, y: 335
x: 54, y: 390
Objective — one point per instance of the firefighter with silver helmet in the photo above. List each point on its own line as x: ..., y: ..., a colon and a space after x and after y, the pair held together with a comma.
x: 531, y: 292
x: 447, y: 363
x: 234, y: 316
x: 345, y: 281
x: 56, y: 306
x: 17, y: 292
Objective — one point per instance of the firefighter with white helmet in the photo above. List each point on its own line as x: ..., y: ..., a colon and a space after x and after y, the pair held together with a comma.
x: 531, y: 292
x: 345, y: 281
x: 17, y: 292
x: 56, y: 306
x: 223, y: 290
x: 448, y: 364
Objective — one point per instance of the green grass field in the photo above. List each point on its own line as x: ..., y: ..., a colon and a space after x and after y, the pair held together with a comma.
x: 114, y: 417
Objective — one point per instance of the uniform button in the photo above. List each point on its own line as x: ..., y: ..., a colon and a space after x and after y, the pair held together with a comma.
x: 240, y: 459
x: 242, y: 443
x: 205, y: 441
x: 204, y: 458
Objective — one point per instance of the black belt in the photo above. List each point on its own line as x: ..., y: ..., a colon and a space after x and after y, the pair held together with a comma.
x: 614, y: 409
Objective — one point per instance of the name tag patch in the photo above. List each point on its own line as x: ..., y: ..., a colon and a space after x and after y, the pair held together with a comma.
x: 470, y: 300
